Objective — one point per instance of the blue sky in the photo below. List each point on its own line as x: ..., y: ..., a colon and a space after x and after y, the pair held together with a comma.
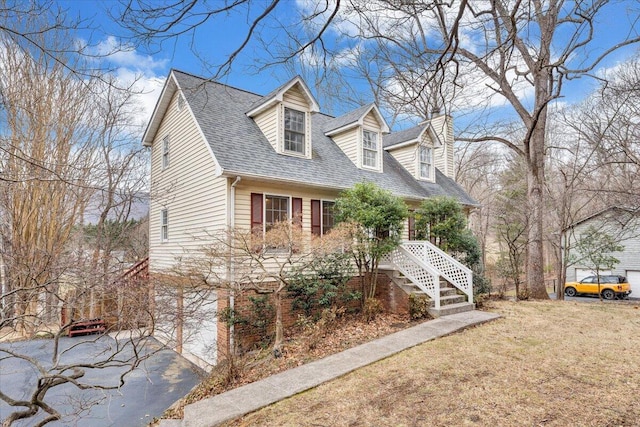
x: 217, y: 39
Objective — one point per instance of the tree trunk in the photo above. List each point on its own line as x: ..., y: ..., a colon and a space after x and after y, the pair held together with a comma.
x: 535, y: 268
x: 279, y: 339
x: 535, y: 183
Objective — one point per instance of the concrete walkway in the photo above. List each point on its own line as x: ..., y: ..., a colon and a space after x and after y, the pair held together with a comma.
x: 251, y: 397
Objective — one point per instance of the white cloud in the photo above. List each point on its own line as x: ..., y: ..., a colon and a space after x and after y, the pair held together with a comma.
x: 125, y: 56
x: 143, y: 74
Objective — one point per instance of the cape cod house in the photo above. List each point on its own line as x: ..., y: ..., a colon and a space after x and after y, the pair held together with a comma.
x: 223, y: 157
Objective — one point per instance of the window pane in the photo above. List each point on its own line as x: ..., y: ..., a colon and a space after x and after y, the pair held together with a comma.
x: 294, y: 141
x: 164, y: 225
x: 425, y: 162
x: 369, y: 158
x: 276, y: 209
x: 294, y: 130
x: 369, y: 148
x: 165, y: 152
x: 327, y: 216
x: 370, y: 140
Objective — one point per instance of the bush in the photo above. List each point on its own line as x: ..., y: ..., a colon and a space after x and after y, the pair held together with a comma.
x: 324, y: 287
x: 261, y: 318
x: 372, y: 307
x: 419, y: 307
x: 481, y: 285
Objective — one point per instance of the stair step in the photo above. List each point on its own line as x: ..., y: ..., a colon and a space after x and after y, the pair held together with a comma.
x: 410, y: 288
x: 452, y: 299
x: 452, y: 309
x: 446, y: 291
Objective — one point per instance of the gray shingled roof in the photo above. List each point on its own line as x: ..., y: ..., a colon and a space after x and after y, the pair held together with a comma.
x: 346, y: 119
x: 264, y: 99
x: 242, y: 149
x: 403, y: 135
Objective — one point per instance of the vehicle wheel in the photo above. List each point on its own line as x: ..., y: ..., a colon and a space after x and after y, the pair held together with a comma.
x: 608, y: 294
x: 570, y: 292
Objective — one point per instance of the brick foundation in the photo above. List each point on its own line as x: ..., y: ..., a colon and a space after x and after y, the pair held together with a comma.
x: 394, y: 300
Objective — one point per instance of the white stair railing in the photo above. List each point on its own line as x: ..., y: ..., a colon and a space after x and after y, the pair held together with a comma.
x: 444, y: 265
x: 420, y: 274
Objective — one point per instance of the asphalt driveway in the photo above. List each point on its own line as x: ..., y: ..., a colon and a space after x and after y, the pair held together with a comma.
x: 148, y: 391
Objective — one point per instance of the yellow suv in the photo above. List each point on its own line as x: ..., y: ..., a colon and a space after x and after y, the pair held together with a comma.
x: 610, y: 287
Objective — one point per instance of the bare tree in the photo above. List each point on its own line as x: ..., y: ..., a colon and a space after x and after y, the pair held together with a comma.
x: 62, y: 137
x: 593, y: 159
x: 240, y: 261
x: 522, y: 52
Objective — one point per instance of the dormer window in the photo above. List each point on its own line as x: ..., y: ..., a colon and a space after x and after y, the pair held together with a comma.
x: 426, y: 162
x: 294, y: 131
x: 370, y: 149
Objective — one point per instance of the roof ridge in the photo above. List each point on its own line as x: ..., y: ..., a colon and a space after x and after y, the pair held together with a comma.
x: 206, y: 80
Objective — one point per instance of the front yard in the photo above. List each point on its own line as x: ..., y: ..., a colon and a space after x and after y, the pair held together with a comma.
x: 544, y: 363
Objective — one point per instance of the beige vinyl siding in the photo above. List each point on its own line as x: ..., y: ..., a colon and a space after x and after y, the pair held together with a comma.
x: 371, y: 122
x: 243, y: 202
x: 443, y: 156
x: 296, y: 99
x: 267, y: 121
x: 348, y: 142
x: 194, y: 198
x: 246, y: 187
x: 408, y: 157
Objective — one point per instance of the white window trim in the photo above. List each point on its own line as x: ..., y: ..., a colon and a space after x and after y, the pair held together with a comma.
x: 164, y: 225
x: 264, y: 207
x: 378, y: 166
x: 166, y: 147
x: 432, y: 171
x: 307, y: 131
x: 322, y: 201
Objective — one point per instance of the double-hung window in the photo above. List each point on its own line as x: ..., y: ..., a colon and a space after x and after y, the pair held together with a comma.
x: 369, y: 149
x: 328, y: 221
x: 164, y: 225
x: 165, y: 152
x: 426, y: 162
x: 322, y: 216
x: 276, y: 209
x: 294, y: 131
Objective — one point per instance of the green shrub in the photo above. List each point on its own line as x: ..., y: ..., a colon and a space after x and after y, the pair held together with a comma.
x: 323, y: 286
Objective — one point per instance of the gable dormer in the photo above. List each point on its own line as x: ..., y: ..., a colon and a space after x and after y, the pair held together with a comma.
x: 414, y: 149
x: 359, y: 135
x: 284, y: 117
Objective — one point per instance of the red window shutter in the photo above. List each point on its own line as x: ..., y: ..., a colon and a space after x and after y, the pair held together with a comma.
x: 256, y: 211
x: 296, y: 205
x: 316, y: 216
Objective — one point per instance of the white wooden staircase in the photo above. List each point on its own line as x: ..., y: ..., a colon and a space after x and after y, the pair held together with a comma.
x: 421, y: 268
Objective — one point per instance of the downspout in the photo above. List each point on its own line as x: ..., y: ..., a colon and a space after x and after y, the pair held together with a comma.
x: 232, y: 226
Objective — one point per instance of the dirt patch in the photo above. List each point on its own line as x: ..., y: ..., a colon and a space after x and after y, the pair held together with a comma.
x: 543, y: 364
x: 304, y: 343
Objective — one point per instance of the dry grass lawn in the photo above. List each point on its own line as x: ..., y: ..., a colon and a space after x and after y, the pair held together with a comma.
x: 543, y: 364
